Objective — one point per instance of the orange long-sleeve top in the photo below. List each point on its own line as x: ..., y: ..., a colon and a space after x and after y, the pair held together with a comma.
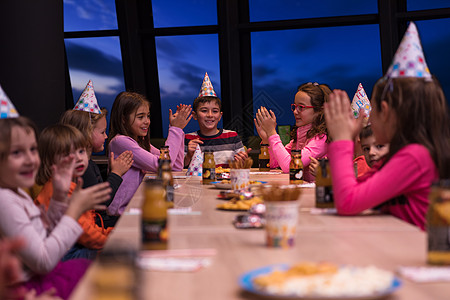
x: 94, y: 236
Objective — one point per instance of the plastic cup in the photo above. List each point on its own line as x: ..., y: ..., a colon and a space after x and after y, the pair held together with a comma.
x: 281, y: 223
x: 240, y: 179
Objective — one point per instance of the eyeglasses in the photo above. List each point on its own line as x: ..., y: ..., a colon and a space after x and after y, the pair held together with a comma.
x: 300, y: 107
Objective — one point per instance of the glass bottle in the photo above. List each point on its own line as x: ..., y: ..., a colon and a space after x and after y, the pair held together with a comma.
x: 209, y: 167
x: 167, y: 180
x: 324, y: 188
x: 154, y: 216
x: 296, y: 167
x: 438, y: 223
x: 264, y: 158
x: 163, y: 156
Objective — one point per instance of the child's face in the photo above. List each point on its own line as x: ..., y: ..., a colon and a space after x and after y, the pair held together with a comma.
x: 140, y: 121
x: 306, y: 116
x: 99, y: 135
x: 81, y: 162
x: 208, y: 115
x: 373, y: 151
x: 21, y: 165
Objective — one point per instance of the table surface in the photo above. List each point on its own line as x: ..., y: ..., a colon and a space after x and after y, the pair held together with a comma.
x: 369, y: 239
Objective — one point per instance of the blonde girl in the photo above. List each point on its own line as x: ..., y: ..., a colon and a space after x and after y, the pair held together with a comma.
x: 47, y: 235
x: 93, y: 126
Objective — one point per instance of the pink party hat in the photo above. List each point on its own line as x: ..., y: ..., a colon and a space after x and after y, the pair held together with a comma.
x: 88, y: 101
x: 409, y: 60
x: 7, y: 109
x: 360, y: 100
x: 207, y: 88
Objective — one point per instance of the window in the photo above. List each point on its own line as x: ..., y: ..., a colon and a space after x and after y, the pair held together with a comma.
x: 429, y: 4
x: 81, y: 15
x: 341, y: 57
x: 182, y: 63
x: 269, y: 10
x: 184, y: 13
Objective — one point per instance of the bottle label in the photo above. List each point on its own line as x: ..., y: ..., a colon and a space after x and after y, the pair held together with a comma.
x: 154, y: 231
x: 264, y: 164
x: 324, y: 194
x: 295, y: 175
x: 209, y: 174
x: 439, y: 238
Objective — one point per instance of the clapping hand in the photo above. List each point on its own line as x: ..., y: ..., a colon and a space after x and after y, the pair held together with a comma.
x: 266, y: 123
x: 181, y: 117
x: 122, y: 163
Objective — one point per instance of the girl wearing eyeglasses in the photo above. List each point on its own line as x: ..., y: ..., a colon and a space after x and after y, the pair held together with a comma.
x: 309, y: 133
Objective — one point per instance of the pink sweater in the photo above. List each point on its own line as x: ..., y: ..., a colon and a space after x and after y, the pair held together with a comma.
x: 402, y: 185
x: 280, y: 156
x: 144, y: 161
x: 48, y: 236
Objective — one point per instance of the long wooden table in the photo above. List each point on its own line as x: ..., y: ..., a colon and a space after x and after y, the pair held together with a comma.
x: 380, y: 240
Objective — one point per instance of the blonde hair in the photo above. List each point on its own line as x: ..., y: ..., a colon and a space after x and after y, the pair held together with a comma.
x: 84, y: 121
x: 57, y: 140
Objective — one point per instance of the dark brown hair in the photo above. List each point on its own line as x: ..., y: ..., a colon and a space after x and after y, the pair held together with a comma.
x: 319, y: 95
x: 57, y: 140
x: 6, y: 126
x: 422, y: 116
x: 206, y: 99
x: 365, y: 132
x: 125, y: 104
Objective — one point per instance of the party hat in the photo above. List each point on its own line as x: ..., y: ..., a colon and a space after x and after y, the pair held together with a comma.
x: 409, y: 60
x: 195, y: 167
x: 360, y: 100
x: 88, y: 101
x: 7, y: 109
x: 207, y: 88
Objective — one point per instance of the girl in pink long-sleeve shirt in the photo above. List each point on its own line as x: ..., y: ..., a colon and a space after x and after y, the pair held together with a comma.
x: 129, y: 130
x: 309, y: 133
x: 409, y: 113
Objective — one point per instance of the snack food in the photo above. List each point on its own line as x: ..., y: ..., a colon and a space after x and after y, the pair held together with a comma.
x: 325, y: 280
x: 240, y: 204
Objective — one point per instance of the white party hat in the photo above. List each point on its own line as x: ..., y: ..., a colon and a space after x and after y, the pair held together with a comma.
x: 88, y: 101
x: 195, y: 167
x: 409, y: 60
x: 207, y: 88
x: 360, y: 100
x: 7, y: 109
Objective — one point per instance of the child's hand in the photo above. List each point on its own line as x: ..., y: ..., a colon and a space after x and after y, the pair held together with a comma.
x: 47, y: 295
x: 267, y: 120
x: 262, y: 134
x: 313, y: 165
x: 10, y: 268
x: 192, y: 146
x: 242, y: 156
x: 338, y: 115
x: 181, y: 117
x: 62, y: 173
x: 88, y: 198
x: 122, y: 163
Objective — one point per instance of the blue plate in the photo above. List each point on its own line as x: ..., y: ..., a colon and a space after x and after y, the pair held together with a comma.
x: 246, y: 283
x: 227, y: 186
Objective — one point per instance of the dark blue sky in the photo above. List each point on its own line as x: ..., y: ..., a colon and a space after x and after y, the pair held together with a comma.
x: 340, y: 56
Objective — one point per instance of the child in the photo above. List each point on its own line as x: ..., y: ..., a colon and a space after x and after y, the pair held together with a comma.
x: 93, y: 125
x: 226, y: 144
x: 129, y: 130
x: 409, y: 111
x: 309, y: 133
x: 47, y: 236
x: 373, y: 151
x: 55, y: 141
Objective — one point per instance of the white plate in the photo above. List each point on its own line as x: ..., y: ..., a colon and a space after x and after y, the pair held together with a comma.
x: 246, y: 283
